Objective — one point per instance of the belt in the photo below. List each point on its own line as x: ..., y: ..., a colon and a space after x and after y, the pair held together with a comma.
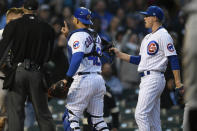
x: 29, y: 65
x: 87, y: 73
x: 142, y: 74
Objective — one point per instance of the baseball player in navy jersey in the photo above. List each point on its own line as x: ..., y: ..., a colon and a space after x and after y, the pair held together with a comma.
x: 156, y: 50
x: 88, y: 88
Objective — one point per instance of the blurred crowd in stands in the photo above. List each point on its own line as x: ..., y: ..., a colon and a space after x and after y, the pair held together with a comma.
x: 115, y: 20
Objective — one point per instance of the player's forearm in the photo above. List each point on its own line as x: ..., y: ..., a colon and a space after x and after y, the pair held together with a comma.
x: 135, y: 60
x: 123, y: 56
x: 177, y: 78
x: 175, y: 69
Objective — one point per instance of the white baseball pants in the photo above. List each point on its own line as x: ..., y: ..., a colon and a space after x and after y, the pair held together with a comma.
x: 86, y: 92
x: 147, y: 112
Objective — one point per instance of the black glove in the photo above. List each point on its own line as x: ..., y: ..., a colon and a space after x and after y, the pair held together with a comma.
x: 60, y: 89
x: 179, y: 93
x: 106, y: 46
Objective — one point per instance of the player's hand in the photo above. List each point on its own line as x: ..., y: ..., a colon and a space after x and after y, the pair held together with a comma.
x: 180, y: 88
x: 65, y: 81
x: 179, y: 94
x: 178, y: 84
x: 65, y: 29
x: 115, y: 50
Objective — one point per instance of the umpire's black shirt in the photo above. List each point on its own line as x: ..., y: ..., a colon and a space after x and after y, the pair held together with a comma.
x: 28, y: 38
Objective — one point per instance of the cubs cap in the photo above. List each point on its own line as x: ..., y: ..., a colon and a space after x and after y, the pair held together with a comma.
x: 154, y: 11
x: 31, y: 4
x: 83, y: 15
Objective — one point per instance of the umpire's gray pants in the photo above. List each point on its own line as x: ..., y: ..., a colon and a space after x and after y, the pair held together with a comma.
x: 28, y: 83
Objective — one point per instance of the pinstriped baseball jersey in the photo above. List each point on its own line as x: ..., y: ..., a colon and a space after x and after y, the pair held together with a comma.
x: 1, y: 33
x: 86, y: 91
x: 154, y: 50
x: 83, y: 42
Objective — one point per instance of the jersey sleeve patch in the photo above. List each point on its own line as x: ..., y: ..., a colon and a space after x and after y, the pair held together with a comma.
x: 152, y: 48
x: 76, y: 45
x: 170, y: 47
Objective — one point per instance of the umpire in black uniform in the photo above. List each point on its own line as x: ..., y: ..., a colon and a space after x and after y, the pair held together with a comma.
x: 29, y: 43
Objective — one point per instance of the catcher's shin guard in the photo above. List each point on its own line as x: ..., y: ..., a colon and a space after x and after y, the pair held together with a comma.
x: 67, y: 123
x: 97, y: 123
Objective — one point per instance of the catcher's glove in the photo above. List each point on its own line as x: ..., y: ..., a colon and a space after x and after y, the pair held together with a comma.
x: 106, y: 46
x: 179, y: 94
x: 107, y: 55
x: 60, y: 89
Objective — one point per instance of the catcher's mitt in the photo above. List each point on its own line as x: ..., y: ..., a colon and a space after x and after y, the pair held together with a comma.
x: 60, y: 89
x: 179, y: 94
x: 107, y: 55
x: 106, y: 46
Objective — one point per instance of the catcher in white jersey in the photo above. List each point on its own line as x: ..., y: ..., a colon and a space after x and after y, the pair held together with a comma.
x: 88, y: 87
x: 156, y: 50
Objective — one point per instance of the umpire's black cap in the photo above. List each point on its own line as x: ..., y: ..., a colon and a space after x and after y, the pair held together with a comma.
x: 31, y: 4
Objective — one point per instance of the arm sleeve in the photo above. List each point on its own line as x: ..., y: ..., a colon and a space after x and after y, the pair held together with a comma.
x: 77, y: 46
x: 135, y: 60
x: 52, y: 39
x: 174, y: 62
x: 167, y: 45
x: 74, y: 64
x: 7, y: 40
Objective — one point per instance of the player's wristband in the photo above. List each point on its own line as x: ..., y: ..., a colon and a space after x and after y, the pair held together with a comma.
x: 174, y: 62
x: 135, y: 60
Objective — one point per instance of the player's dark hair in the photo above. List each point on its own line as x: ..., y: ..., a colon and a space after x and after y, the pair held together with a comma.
x: 158, y: 20
x: 86, y: 25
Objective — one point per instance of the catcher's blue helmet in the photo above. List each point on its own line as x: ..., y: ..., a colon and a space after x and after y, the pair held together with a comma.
x: 83, y: 15
x: 154, y: 11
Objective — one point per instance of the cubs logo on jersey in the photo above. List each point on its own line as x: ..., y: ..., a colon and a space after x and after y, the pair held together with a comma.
x: 152, y: 48
x: 170, y: 47
x: 76, y: 45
